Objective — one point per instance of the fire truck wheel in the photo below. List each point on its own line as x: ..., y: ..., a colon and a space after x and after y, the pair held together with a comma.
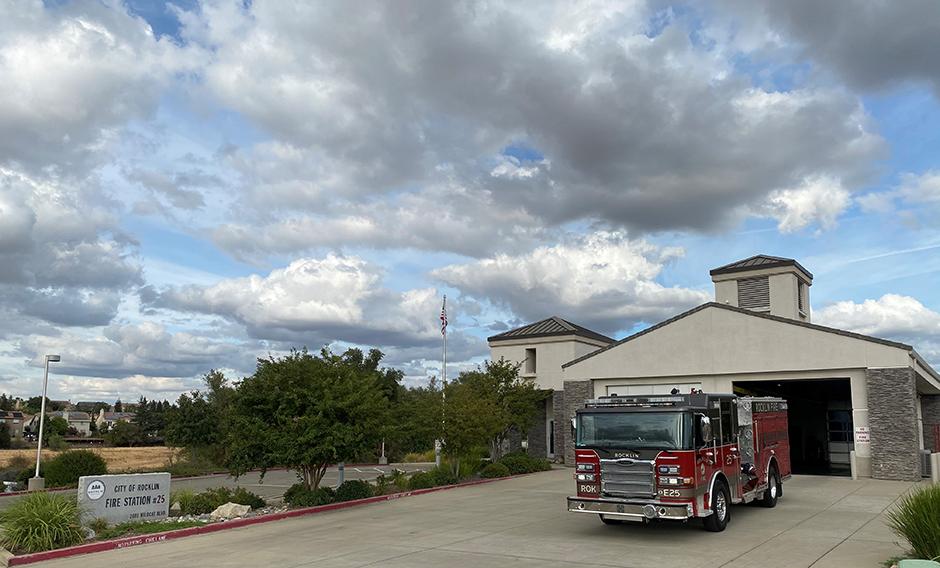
x: 721, y: 512
x: 610, y: 521
x: 772, y: 493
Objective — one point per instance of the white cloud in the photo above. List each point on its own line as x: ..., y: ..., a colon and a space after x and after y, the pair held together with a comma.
x: 817, y: 201
x: 891, y: 316
x: 643, y: 126
x: 605, y: 281
x: 318, y: 301
x: 145, y: 348
x: 72, y: 74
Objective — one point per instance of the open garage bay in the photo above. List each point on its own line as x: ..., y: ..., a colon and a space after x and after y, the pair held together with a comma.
x: 822, y: 522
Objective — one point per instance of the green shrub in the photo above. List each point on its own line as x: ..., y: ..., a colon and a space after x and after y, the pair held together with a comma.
x: 65, y: 469
x: 516, y: 463
x: 27, y: 472
x: 519, y: 463
x: 244, y: 497
x: 421, y: 480
x: 40, y: 521
x: 419, y: 457
x: 57, y: 443
x: 495, y: 470
x: 209, y: 500
x: 353, y: 489
x: 917, y: 519
x: 443, y: 476
x: 299, y: 496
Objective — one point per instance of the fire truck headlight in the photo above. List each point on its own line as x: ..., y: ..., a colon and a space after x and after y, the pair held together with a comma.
x: 669, y: 469
x: 585, y: 477
x: 585, y: 467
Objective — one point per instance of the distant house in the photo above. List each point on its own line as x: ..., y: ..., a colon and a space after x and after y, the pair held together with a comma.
x: 15, y: 420
x: 80, y: 421
x: 109, y: 419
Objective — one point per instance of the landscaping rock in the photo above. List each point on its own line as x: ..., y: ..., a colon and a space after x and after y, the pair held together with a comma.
x: 175, y: 509
x: 229, y: 511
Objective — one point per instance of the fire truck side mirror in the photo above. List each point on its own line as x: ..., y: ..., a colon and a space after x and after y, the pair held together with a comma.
x: 705, y: 429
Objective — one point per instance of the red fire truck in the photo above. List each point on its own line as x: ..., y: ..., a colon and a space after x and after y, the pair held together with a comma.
x: 675, y: 457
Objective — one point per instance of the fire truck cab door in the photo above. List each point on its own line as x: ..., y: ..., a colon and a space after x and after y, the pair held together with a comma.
x: 728, y: 450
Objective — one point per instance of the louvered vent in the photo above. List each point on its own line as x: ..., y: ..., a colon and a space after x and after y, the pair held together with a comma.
x: 754, y: 293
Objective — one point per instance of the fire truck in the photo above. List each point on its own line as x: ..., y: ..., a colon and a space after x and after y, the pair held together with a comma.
x: 678, y: 457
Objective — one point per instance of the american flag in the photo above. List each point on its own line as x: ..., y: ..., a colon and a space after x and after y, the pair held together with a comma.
x: 444, y: 316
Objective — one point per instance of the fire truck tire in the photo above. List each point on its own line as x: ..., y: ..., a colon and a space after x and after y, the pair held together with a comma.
x: 610, y: 521
x: 721, y: 509
x: 773, y: 491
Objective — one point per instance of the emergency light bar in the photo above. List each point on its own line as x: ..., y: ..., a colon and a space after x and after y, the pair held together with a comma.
x: 636, y: 401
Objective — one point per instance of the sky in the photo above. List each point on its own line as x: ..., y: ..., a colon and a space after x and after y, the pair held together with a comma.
x: 187, y: 185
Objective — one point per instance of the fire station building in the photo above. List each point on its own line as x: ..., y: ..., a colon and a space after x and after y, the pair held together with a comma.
x: 858, y: 405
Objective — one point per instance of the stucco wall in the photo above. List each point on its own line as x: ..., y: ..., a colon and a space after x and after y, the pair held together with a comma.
x: 550, y: 354
x: 717, y: 341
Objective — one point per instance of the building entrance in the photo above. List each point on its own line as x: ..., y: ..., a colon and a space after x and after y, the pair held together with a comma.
x: 820, y: 418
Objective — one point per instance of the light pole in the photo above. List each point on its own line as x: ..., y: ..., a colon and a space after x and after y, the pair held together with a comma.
x: 37, y: 483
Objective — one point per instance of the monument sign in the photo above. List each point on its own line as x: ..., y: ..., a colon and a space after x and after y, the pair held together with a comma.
x: 119, y: 498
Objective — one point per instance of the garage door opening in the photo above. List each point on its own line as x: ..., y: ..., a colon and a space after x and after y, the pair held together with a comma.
x: 820, y: 418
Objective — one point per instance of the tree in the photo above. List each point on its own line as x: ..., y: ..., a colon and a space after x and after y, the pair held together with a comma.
x: 305, y: 412
x: 415, y: 420
x: 34, y: 404
x: 5, y: 440
x: 488, y: 402
x: 54, y: 426
x: 124, y: 434
x: 151, y: 418
x: 199, y: 421
x: 118, y: 406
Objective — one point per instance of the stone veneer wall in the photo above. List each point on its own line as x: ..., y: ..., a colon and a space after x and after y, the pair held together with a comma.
x: 576, y: 392
x: 558, y: 415
x: 538, y: 444
x: 930, y: 411
x: 892, y: 418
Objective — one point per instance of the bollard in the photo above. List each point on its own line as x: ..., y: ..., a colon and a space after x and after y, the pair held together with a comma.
x: 935, y: 467
x: 342, y: 473
x: 853, y: 464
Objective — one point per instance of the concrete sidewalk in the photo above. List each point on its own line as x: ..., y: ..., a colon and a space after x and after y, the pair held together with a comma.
x: 821, y: 522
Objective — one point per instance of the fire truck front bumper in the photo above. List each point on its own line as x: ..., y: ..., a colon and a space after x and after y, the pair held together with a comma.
x: 631, y: 510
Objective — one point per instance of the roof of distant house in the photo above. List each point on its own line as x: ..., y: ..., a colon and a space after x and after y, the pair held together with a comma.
x: 11, y: 415
x: 73, y: 416
x: 119, y: 415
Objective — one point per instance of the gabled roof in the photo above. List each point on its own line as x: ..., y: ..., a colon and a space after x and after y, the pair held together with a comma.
x: 757, y: 262
x: 752, y: 313
x: 549, y: 327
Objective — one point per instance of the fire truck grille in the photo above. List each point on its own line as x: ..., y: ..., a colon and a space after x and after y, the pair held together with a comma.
x: 627, y: 478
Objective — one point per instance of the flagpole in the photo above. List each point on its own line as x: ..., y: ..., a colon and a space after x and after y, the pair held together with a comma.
x: 443, y: 379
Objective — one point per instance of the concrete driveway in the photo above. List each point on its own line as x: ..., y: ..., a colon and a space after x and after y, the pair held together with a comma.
x: 821, y: 522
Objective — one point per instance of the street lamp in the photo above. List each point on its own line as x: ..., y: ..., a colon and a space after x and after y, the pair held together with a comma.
x: 37, y: 483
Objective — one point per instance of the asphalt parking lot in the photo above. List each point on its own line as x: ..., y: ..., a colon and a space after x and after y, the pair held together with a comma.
x: 821, y: 522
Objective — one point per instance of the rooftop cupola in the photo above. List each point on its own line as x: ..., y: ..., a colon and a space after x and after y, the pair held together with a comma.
x: 769, y: 284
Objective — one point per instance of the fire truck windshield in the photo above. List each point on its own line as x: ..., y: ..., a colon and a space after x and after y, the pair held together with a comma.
x: 663, y: 430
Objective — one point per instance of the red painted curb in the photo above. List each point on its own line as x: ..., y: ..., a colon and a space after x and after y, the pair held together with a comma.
x: 127, y: 542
